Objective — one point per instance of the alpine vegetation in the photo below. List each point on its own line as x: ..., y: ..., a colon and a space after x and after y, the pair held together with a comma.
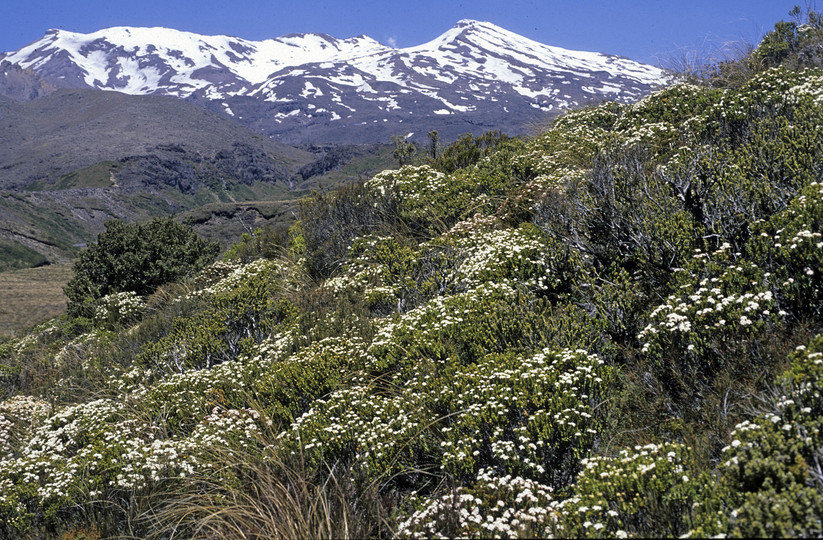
x: 610, y: 329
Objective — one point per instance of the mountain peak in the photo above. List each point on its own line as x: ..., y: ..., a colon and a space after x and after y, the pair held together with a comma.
x: 463, y: 23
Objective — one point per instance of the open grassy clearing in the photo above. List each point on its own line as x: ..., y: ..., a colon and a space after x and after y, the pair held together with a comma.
x: 31, y: 295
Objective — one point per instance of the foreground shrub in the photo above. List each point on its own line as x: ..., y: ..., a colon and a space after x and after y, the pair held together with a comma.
x: 642, y: 492
x: 770, y: 480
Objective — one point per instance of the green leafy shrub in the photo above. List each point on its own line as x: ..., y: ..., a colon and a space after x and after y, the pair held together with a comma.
x: 769, y: 477
x: 242, y: 311
x: 329, y: 223
x: 135, y: 258
x: 642, y: 492
x: 790, y: 246
x: 267, y: 242
x: 469, y: 150
x: 795, y: 43
x: 709, y: 326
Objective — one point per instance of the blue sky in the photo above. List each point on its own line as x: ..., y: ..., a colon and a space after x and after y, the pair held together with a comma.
x: 644, y: 30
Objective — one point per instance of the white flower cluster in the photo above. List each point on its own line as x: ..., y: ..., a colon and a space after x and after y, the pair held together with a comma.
x: 375, y: 428
x: 410, y: 183
x: 184, y: 393
x: 472, y: 225
x: 238, y: 276
x: 119, y: 306
x: 550, y: 394
x: 437, y: 314
x: 89, y: 449
x: 513, y: 256
x: 18, y: 416
x: 812, y: 86
x: 710, y: 305
x: 610, y: 490
x: 650, y: 134
x: 215, y: 272
x: 557, y: 154
x: 81, y: 347
x: 495, y: 506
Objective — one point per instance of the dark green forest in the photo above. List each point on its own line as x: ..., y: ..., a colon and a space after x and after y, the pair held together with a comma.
x: 609, y: 329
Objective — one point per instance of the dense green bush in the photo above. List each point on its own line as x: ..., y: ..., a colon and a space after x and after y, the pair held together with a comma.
x: 329, y: 223
x: 135, y: 258
x: 770, y: 472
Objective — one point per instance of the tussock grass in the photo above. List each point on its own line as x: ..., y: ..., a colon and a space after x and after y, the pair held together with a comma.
x: 256, y: 493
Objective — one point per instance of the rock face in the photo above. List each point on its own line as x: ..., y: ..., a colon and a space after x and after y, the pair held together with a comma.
x: 304, y: 88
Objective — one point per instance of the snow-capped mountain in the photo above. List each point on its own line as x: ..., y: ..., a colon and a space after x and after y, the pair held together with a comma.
x: 300, y: 87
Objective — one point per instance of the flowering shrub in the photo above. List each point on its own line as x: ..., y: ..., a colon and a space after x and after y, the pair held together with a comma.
x: 735, y: 301
x: 92, y: 454
x: 218, y: 271
x: 457, y: 326
x: 242, y: 312
x: 119, y: 309
x: 770, y: 473
x: 222, y: 277
x: 671, y: 106
x: 391, y: 276
x: 702, y: 329
x: 519, y: 257
x: 430, y: 199
x: 19, y: 416
x: 640, y: 492
x: 790, y: 245
x: 494, y: 506
x: 380, y: 436
x: 530, y: 416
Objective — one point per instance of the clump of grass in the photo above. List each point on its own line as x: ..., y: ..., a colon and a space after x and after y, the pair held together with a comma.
x: 254, y: 493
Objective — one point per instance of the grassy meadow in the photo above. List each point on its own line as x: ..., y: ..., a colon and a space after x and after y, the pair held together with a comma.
x: 30, y: 296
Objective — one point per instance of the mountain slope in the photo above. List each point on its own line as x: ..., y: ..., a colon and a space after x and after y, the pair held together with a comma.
x: 73, y: 159
x: 313, y: 87
x: 42, y: 139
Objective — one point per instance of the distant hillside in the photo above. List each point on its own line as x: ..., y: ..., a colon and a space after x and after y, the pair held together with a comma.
x: 22, y: 84
x: 154, y: 137
x: 72, y: 159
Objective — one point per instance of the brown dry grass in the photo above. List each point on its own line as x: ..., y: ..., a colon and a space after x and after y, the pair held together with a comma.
x: 31, y: 295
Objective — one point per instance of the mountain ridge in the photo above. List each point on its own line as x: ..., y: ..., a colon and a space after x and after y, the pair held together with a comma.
x: 302, y: 88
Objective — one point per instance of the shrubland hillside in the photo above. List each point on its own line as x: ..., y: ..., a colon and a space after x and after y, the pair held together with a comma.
x: 611, y: 329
